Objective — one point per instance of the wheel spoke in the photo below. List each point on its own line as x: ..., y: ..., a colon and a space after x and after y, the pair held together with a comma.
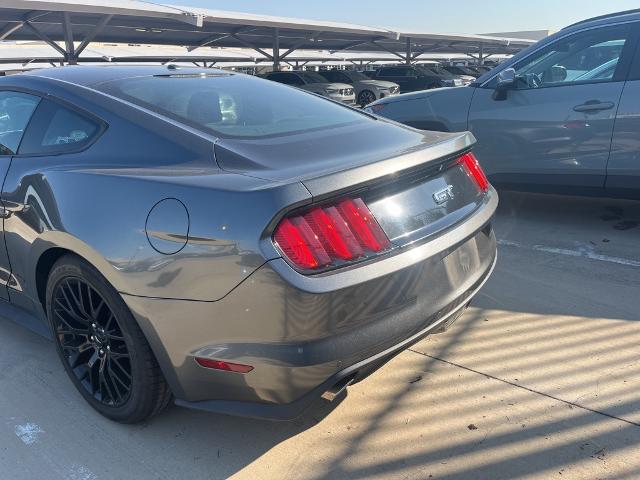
x: 69, y: 311
x: 121, y: 368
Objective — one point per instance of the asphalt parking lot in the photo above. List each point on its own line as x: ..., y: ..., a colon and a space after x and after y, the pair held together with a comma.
x: 540, y: 378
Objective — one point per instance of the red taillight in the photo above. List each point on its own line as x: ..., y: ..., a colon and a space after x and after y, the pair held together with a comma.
x: 325, y: 236
x: 221, y: 365
x: 473, y: 168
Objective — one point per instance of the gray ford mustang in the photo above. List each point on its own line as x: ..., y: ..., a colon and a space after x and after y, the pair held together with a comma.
x: 236, y: 244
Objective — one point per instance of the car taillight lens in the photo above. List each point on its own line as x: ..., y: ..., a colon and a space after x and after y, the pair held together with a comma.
x: 474, y: 170
x: 330, y: 235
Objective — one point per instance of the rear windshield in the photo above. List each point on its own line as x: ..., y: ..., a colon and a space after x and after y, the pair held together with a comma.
x: 233, y: 105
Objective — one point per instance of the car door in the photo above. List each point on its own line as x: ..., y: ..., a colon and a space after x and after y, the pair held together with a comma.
x: 54, y: 132
x: 554, y: 126
x: 623, y: 169
x: 16, y: 109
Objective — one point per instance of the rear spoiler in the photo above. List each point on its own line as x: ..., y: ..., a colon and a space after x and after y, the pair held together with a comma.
x: 337, y: 182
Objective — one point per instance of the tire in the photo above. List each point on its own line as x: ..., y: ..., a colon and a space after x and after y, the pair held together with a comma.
x: 101, y: 346
x: 365, y: 97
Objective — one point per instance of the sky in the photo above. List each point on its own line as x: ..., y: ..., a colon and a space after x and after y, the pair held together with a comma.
x: 454, y: 16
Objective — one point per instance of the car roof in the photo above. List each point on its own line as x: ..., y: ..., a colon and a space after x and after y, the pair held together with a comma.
x: 616, y: 16
x: 86, y: 75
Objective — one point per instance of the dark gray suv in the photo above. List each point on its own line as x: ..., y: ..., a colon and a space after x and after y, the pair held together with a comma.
x: 561, y: 116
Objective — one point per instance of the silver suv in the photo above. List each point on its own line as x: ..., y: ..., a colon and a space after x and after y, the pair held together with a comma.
x: 313, y: 82
x: 561, y: 116
x: 367, y: 89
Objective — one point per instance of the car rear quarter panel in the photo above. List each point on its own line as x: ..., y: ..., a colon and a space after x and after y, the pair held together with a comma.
x: 96, y: 204
x: 444, y: 109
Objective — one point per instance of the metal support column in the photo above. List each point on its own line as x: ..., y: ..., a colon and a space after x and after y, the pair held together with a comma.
x: 481, y: 55
x: 276, y: 49
x: 408, y: 52
x: 70, y: 55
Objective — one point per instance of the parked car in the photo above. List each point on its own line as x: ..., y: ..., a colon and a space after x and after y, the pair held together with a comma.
x: 481, y: 69
x: 412, y: 78
x: 561, y: 116
x: 366, y: 89
x: 440, y: 70
x: 315, y: 83
x: 462, y: 71
x: 233, y: 243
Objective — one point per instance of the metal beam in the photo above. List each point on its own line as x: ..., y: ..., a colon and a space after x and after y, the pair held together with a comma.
x: 89, y: 38
x: 248, y: 44
x: 9, y: 29
x: 45, y: 39
x: 208, y: 41
x: 219, y: 36
x: 387, y: 49
x: 355, y: 44
x: 300, y: 44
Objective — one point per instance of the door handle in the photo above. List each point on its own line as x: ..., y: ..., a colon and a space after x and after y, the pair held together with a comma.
x: 9, y: 208
x: 593, y: 106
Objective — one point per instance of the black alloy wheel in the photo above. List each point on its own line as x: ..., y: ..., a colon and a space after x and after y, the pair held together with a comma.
x: 101, y: 345
x: 366, y: 97
x: 92, y: 342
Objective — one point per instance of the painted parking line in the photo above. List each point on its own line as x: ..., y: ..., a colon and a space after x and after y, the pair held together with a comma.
x: 583, y: 251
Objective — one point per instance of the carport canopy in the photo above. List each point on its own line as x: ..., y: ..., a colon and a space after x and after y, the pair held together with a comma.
x: 69, y: 26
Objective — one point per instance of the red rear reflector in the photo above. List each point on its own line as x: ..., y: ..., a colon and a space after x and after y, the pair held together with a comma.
x: 226, y: 366
x: 470, y: 163
x: 329, y: 235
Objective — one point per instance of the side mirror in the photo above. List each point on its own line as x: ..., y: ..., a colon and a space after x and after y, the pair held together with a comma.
x: 506, y: 82
x: 506, y: 79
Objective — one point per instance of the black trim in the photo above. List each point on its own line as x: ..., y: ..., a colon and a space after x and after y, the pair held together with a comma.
x: 634, y: 69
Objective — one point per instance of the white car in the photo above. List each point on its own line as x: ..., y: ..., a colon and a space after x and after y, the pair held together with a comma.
x: 367, y: 90
x: 312, y: 82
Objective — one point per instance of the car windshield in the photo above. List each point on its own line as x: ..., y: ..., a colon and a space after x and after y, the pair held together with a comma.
x: 312, y: 77
x: 232, y: 105
x: 440, y: 71
x: 356, y: 76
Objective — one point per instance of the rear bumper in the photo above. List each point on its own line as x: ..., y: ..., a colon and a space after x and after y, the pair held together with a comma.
x: 350, y: 375
x: 303, y: 338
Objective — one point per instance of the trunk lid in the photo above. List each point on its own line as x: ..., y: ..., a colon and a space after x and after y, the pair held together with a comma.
x: 406, y: 177
x: 330, y: 154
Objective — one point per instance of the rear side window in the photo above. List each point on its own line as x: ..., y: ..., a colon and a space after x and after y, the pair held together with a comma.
x: 15, y: 111
x: 57, y: 129
x: 393, y: 72
x: 232, y: 105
